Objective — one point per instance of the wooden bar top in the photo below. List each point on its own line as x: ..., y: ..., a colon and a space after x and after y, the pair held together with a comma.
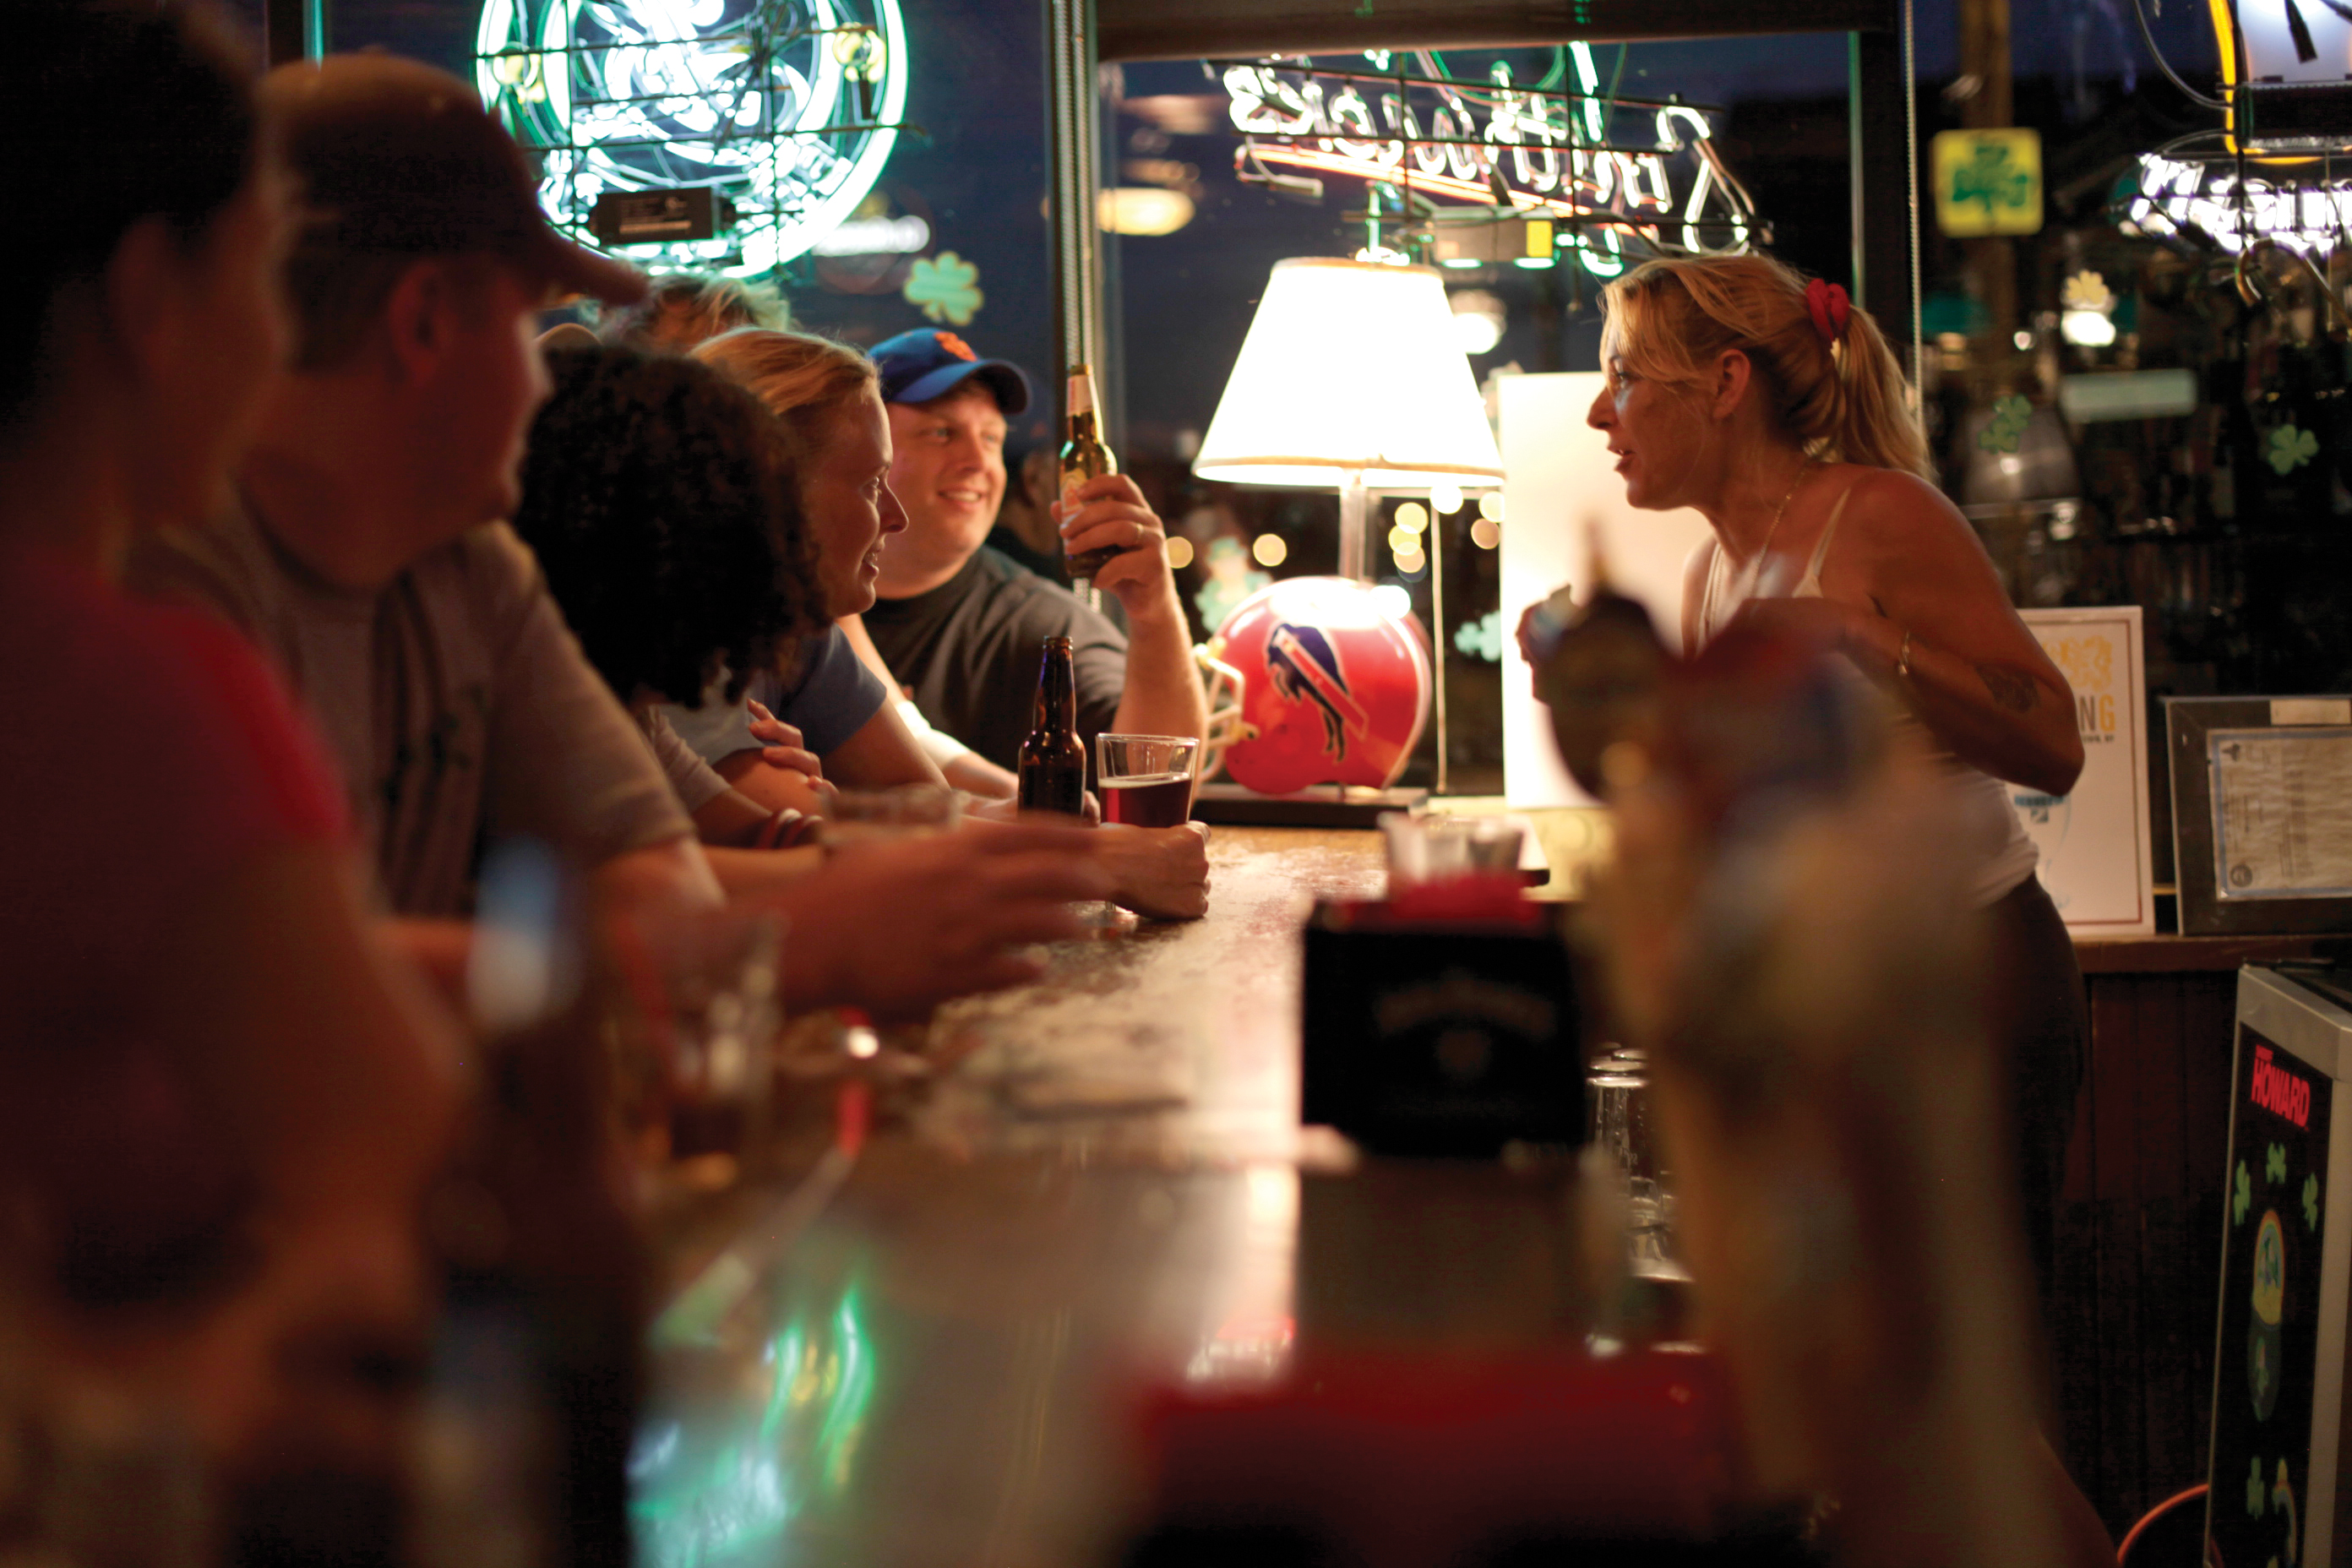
x: 936, y: 1359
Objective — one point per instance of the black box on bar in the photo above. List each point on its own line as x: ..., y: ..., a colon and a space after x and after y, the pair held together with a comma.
x: 1449, y: 1036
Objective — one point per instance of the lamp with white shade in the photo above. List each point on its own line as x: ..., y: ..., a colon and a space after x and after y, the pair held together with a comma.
x: 1352, y: 378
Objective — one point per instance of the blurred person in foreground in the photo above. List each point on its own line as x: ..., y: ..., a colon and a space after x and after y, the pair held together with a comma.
x: 681, y: 309
x: 961, y: 624
x: 826, y: 400
x: 1767, y: 404
x: 364, y: 553
x: 1785, y: 930
x: 224, y: 1102
x: 657, y: 497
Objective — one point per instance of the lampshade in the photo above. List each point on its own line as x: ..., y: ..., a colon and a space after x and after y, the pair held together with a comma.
x: 1351, y: 370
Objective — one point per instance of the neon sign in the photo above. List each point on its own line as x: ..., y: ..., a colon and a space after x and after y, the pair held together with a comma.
x: 789, y: 107
x: 2206, y: 202
x: 1547, y: 155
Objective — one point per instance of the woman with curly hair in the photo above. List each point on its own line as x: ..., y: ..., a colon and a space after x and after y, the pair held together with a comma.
x: 657, y: 497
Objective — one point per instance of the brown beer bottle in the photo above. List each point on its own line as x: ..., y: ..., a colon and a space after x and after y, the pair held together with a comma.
x: 1053, y: 759
x: 1084, y: 458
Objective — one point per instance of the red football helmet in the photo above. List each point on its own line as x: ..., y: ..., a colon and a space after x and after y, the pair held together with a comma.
x: 1335, y: 687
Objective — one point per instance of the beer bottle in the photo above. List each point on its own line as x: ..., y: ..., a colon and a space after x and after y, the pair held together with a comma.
x: 1084, y: 458
x: 1053, y: 759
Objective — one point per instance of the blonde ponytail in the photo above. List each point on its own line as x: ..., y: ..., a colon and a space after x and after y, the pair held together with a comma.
x: 1840, y: 394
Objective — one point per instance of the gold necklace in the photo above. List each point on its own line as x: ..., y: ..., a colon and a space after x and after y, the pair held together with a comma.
x: 1782, y: 511
x: 1756, y: 563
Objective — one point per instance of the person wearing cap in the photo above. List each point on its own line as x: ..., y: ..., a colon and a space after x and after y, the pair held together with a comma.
x: 961, y: 624
x: 365, y: 550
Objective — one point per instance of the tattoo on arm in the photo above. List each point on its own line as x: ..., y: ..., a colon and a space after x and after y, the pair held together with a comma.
x: 2009, y: 687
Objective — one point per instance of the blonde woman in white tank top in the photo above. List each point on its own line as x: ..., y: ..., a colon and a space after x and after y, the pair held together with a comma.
x: 1775, y: 410
x: 2000, y: 851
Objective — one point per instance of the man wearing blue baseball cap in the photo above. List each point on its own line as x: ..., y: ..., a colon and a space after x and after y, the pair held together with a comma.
x: 962, y: 624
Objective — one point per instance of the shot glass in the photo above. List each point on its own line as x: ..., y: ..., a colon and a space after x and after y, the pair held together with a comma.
x: 1435, y: 846
x: 1146, y: 780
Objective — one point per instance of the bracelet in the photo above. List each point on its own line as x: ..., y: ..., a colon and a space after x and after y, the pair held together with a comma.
x: 1903, y: 655
x: 781, y: 831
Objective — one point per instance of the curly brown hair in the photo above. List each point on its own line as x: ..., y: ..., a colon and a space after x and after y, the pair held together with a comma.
x: 656, y: 495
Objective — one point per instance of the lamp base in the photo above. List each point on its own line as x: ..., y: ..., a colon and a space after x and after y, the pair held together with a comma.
x: 1325, y: 806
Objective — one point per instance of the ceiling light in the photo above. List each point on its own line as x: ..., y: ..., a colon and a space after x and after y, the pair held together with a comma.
x: 2087, y: 328
x: 1143, y: 210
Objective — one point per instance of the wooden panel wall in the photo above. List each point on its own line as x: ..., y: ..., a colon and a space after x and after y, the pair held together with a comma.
x: 2140, y: 1238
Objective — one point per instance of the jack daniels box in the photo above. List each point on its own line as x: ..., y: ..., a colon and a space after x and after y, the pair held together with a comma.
x: 2279, y: 1353
x: 1447, y: 1023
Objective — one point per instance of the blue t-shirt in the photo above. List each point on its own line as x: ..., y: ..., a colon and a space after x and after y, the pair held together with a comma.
x: 833, y: 700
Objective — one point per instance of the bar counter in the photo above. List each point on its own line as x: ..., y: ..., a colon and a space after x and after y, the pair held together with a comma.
x: 928, y: 1357
x: 933, y: 1355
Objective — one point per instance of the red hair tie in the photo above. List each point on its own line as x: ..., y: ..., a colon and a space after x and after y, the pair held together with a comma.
x: 1830, y: 308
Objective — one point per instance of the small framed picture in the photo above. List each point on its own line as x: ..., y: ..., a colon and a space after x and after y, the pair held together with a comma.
x: 2093, y: 840
x: 2262, y: 812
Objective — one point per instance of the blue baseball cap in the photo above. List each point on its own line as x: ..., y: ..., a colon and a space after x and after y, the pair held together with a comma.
x: 927, y: 363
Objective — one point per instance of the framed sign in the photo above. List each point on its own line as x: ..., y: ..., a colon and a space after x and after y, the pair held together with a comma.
x: 2262, y: 812
x: 2095, y: 845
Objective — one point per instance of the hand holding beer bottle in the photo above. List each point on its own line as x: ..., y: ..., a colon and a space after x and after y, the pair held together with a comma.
x: 1084, y: 458
x: 1110, y: 539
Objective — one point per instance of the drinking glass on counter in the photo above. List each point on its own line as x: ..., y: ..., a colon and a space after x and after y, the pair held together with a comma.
x: 703, y: 990
x: 1618, y: 1092
x: 1436, y: 847
x: 1146, y: 780
x: 881, y: 816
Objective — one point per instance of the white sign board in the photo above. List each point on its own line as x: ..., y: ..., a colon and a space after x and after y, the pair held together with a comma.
x: 1560, y: 485
x: 2094, y: 842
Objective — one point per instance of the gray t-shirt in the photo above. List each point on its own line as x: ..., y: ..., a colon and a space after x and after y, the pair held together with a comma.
x: 971, y: 648
x: 457, y: 700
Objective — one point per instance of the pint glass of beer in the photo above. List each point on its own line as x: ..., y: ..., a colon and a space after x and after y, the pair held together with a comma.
x: 1146, y: 780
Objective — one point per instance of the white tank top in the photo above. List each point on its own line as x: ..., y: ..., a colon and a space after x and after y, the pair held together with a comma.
x: 2004, y: 856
